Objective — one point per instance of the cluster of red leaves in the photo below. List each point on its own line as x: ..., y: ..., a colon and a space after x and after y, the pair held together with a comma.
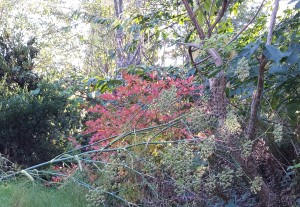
x: 127, y: 107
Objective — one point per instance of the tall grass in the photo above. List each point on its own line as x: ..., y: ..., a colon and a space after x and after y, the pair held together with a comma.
x: 23, y: 193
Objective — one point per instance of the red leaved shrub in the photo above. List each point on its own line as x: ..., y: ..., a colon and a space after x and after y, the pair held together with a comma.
x: 140, y: 104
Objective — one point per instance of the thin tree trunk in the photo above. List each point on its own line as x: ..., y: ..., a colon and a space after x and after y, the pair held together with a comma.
x: 124, y: 59
x: 260, y: 154
x: 120, y: 59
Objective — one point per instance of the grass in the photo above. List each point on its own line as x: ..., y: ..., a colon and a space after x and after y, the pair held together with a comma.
x: 24, y: 193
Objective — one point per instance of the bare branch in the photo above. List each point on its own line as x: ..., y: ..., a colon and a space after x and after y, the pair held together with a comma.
x: 247, y: 25
x: 219, y: 17
x: 213, y: 52
x: 194, y: 20
x: 256, y: 98
x: 272, y: 22
x: 216, y: 56
x: 202, y: 61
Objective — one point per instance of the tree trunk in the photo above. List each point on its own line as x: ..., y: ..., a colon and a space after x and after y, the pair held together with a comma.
x: 124, y: 58
x: 217, y: 101
x: 120, y: 58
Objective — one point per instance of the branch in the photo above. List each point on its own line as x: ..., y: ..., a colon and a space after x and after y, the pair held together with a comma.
x: 272, y: 22
x: 134, y: 54
x: 191, y: 54
x: 247, y: 25
x: 194, y: 20
x: 202, y: 61
x: 69, y: 158
x: 256, y: 98
x: 213, y: 52
x: 216, y: 56
x: 219, y: 17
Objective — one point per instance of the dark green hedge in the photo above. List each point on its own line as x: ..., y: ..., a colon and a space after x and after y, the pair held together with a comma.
x: 34, y: 124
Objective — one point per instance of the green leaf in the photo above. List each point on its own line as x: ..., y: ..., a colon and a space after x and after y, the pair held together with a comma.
x: 234, y: 9
x: 207, y: 5
x: 249, y: 50
x: 200, y: 17
x: 273, y: 53
x: 278, y: 69
x: 297, y: 166
x: 291, y: 111
x: 191, y: 72
x: 181, y: 21
x: 294, y: 167
x: 293, y: 58
x: 92, y: 81
x: 35, y: 92
x: 214, y: 72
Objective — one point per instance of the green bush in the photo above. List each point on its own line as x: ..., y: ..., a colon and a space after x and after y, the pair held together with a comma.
x: 34, y: 124
x: 17, y: 60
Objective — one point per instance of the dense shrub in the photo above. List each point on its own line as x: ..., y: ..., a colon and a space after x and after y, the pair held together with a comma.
x: 187, y: 164
x: 33, y: 124
x: 17, y: 60
x: 35, y: 115
x: 140, y: 104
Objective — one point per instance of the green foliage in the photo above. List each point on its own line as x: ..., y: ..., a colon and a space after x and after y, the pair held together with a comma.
x: 16, y: 60
x: 256, y: 184
x: 33, y: 124
x: 178, y: 175
x: 149, y: 166
x: 198, y: 120
x: 282, y: 85
x: 187, y: 174
x: 22, y: 193
x: 103, y: 85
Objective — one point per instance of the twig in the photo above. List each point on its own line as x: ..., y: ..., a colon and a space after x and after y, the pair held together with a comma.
x: 70, y: 158
x: 122, y: 165
x: 247, y: 25
x: 158, y: 133
x: 219, y: 17
x: 116, y: 136
x: 202, y: 61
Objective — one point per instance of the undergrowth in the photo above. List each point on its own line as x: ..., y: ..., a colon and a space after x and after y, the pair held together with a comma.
x: 24, y: 193
x: 141, y: 155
